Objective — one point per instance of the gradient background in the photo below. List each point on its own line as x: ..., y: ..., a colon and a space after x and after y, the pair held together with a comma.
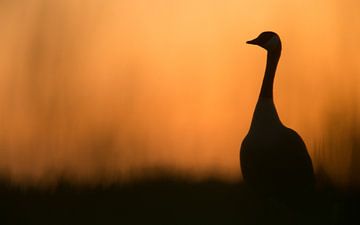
x: 104, y: 90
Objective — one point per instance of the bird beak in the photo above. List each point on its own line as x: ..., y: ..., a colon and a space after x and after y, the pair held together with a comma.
x: 252, y: 42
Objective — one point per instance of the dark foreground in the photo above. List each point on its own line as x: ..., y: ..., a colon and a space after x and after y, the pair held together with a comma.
x: 168, y: 201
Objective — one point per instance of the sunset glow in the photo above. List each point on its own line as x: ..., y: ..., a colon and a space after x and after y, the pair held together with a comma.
x: 109, y: 90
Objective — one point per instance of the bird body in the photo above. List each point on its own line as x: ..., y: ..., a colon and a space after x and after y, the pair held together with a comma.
x: 273, y: 157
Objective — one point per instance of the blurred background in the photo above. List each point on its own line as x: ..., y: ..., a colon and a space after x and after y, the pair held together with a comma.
x: 104, y: 90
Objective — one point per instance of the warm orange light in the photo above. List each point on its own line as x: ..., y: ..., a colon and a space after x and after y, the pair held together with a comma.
x: 109, y: 89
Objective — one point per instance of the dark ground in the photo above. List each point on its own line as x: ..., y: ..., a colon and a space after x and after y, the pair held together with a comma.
x: 168, y: 201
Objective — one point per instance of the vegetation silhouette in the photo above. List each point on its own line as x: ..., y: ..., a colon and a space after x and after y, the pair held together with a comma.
x: 163, y: 199
x: 274, y: 159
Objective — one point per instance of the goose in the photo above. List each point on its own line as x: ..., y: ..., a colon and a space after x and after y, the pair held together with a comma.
x: 273, y: 158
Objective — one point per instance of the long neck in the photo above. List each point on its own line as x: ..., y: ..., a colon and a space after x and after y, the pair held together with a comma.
x: 265, y: 114
x: 268, y: 82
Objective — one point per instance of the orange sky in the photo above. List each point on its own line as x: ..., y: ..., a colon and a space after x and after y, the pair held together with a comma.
x: 104, y: 89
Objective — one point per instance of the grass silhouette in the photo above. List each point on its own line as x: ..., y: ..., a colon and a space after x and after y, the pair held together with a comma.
x: 167, y: 200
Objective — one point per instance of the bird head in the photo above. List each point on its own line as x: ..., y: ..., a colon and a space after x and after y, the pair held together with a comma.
x: 268, y: 40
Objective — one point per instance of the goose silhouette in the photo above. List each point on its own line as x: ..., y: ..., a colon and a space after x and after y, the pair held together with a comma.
x: 273, y: 157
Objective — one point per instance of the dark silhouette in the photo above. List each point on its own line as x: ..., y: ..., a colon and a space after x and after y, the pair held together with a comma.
x: 166, y: 199
x: 274, y: 159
